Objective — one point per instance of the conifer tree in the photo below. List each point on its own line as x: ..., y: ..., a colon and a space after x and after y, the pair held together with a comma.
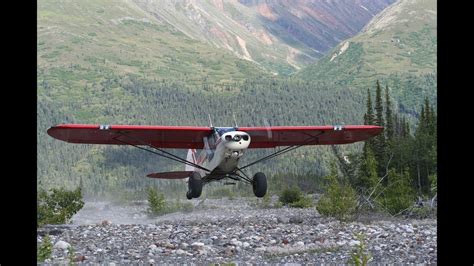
x: 379, y: 148
x: 379, y: 121
x: 425, y: 148
x: 367, y: 172
x: 396, y: 126
x: 389, y: 129
x: 407, y: 128
x: 368, y: 119
x: 369, y: 115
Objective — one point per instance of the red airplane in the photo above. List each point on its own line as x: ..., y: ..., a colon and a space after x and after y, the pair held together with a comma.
x: 222, y: 147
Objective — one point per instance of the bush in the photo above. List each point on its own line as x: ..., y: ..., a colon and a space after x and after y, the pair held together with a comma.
x: 291, y: 195
x: 157, y: 205
x: 156, y: 201
x: 58, y: 206
x: 303, y: 202
x: 70, y: 254
x: 359, y: 255
x: 45, y: 249
x: 398, y: 194
x: 339, y: 200
x: 266, y: 202
x: 295, y: 198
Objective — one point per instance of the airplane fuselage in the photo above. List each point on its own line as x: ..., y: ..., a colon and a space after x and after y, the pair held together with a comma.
x: 222, y: 152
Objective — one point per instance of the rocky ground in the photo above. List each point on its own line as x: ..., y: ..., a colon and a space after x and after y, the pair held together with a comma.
x: 234, y: 231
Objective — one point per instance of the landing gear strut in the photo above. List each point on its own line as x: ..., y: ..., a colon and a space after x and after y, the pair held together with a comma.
x: 259, y: 184
x: 194, y: 186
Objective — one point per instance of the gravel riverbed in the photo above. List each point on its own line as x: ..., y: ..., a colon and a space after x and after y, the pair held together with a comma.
x: 234, y: 231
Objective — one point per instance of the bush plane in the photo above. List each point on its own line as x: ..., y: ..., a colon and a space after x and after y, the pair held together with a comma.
x: 221, y: 147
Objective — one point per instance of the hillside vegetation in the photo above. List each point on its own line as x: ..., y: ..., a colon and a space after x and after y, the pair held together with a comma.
x: 398, y: 47
x: 120, y: 62
x: 81, y: 43
x: 134, y: 101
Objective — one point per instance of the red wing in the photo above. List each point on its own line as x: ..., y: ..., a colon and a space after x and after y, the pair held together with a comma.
x: 180, y: 137
x: 270, y: 137
x: 171, y: 175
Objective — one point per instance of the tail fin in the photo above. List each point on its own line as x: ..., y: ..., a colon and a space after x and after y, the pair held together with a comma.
x: 191, y: 157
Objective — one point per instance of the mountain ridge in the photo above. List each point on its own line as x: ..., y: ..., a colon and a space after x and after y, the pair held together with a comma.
x: 117, y: 64
x: 398, y: 47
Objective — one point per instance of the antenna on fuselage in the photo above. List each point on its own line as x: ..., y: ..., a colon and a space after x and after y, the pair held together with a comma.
x: 210, y: 121
x: 235, y: 121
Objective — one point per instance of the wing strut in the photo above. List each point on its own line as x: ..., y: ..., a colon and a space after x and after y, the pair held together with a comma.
x: 285, y: 150
x: 168, y: 155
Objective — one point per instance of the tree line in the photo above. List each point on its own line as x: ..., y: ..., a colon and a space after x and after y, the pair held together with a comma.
x: 399, y: 166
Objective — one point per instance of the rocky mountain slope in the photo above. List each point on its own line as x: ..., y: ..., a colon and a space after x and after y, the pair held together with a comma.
x: 159, y: 38
x: 132, y: 62
x: 398, y: 47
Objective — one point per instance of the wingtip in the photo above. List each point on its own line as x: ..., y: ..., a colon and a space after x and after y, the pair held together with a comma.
x: 53, y: 132
x: 50, y: 130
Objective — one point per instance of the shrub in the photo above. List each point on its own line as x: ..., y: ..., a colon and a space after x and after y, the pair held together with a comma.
x: 291, y: 195
x: 359, y: 255
x: 266, y: 202
x: 45, y: 249
x: 58, y: 206
x: 339, y: 200
x: 157, y: 204
x: 156, y: 201
x: 398, y: 195
x: 303, y: 202
x: 70, y: 254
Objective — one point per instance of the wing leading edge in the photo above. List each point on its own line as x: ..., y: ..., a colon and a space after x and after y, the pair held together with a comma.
x: 187, y: 137
x: 179, y: 137
x: 270, y: 137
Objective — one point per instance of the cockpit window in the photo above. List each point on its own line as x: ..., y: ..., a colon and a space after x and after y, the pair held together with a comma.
x: 222, y: 130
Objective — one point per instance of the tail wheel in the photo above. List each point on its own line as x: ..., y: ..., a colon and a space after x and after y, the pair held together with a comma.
x: 259, y: 184
x: 194, y: 186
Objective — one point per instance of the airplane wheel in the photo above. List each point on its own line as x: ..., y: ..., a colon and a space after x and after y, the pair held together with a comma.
x: 188, y: 195
x: 194, y: 185
x: 259, y: 184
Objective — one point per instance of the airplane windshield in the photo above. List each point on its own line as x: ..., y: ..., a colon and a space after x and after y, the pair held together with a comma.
x: 222, y: 130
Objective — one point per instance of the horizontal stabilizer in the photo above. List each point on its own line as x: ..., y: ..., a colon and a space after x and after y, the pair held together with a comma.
x: 171, y: 175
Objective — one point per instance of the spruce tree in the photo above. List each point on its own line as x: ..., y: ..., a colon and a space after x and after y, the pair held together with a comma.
x: 379, y: 140
x: 369, y: 115
x: 367, y: 174
x: 389, y: 129
x: 425, y: 151
x: 379, y: 121
x: 369, y: 119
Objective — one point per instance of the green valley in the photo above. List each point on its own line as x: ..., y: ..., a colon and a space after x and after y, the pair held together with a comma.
x: 398, y: 47
x: 129, y: 62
